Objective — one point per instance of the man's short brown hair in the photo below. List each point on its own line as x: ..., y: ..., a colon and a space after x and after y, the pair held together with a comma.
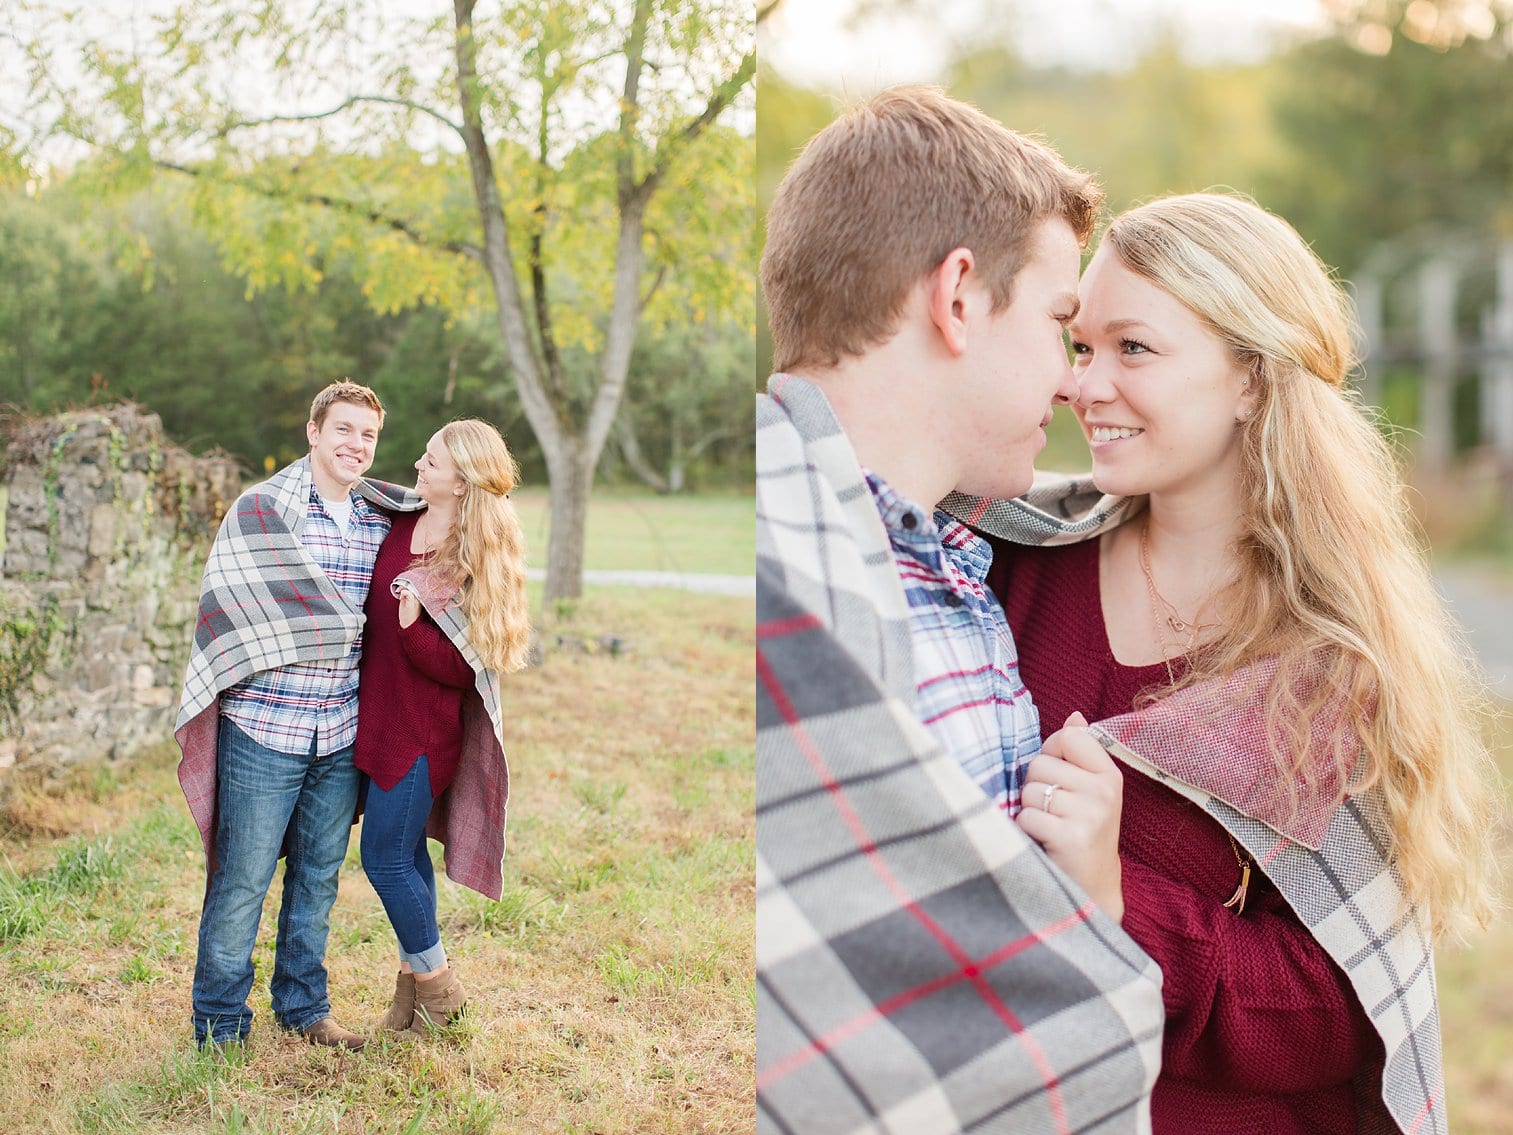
x: 881, y: 195
x: 345, y: 391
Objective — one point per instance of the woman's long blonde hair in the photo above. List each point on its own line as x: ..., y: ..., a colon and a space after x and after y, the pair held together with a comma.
x: 484, y: 553
x: 1332, y: 570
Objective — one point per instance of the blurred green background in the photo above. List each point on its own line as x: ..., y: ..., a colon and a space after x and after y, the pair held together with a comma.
x: 1382, y: 130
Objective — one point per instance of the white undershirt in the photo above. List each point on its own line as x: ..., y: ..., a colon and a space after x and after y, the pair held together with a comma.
x: 339, y: 511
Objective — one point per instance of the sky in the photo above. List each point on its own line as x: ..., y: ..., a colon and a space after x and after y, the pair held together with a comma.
x: 809, y: 42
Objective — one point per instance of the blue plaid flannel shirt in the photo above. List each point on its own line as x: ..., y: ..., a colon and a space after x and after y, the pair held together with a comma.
x: 966, y: 669
x: 314, y: 704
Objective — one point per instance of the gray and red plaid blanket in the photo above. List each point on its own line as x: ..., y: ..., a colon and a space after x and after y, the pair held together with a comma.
x: 921, y: 965
x: 264, y: 602
x: 1326, y: 855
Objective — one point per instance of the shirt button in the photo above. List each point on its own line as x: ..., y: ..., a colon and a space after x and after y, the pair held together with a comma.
x: 909, y: 521
x: 953, y: 599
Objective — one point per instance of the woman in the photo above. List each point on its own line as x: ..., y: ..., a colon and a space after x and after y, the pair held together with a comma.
x: 1263, y: 641
x: 446, y: 614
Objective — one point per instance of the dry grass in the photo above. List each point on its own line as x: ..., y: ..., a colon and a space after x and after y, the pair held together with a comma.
x: 612, y: 986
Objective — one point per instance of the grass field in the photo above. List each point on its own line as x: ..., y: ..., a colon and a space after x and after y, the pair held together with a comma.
x: 611, y: 988
x: 645, y: 532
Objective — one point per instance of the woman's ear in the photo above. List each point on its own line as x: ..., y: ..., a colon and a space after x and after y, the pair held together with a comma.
x: 1250, y: 398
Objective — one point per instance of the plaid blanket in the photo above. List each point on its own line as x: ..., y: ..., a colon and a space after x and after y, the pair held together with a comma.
x: 264, y: 602
x: 1326, y: 855
x: 469, y: 817
x: 921, y: 965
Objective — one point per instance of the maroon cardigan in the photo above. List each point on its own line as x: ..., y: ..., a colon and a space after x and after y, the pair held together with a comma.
x: 412, y: 680
x: 1263, y: 1032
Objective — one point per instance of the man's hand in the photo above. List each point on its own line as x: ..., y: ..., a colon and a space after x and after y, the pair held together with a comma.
x: 1073, y: 796
x: 409, y: 607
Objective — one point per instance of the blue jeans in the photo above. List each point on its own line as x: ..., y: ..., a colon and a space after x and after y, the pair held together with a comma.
x: 398, y: 864
x: 262, y: 796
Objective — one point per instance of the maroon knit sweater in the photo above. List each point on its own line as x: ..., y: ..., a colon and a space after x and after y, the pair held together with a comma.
x: 412, y: 680
x: 1263, y: 1032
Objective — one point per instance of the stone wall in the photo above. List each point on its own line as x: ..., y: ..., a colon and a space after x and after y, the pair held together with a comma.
x: 104, y: 535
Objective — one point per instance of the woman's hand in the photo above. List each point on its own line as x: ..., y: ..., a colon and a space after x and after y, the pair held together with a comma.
x: 409, y: 607
x: 1073, y: 796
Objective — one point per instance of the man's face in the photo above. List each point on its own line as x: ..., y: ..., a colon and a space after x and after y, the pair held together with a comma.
x: 1019, y: 368
x: 342, y: 446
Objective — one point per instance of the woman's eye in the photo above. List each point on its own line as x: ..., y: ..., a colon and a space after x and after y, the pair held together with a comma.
x: 1133, y: 347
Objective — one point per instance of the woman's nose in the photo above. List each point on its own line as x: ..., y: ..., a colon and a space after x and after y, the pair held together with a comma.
x: 1093, y: 384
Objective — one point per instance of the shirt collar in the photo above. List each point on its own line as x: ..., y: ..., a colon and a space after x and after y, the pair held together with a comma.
x: 904, y: 520
x: 970, y: 552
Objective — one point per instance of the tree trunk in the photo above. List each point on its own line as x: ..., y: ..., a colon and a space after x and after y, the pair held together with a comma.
x: 451, y: 390
x: 570, y: 440
x: 570, y: 469
x: 677, y: 466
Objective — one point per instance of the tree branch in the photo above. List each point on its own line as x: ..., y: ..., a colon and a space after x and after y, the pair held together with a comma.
x: 630, y: 106
x: 551, y: 357
x: 630, y: 451
x: 655, y: 284
x: 709, y: 439
x: 347, y: 105
x: 723, y: 96
x: 350, y: 208
x: 548, y: 420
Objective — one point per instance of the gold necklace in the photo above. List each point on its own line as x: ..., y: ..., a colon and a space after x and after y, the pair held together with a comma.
x: 428, y: 543
x: 1162, y: 610
x: 1173, y: 619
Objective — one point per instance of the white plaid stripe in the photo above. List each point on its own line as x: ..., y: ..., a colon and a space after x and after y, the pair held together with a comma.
x: 289, y: 708
x: 966, y: 669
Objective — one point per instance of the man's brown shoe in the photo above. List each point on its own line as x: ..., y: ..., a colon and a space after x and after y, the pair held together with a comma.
x: 328, y: 1033
x: 402, y: 1007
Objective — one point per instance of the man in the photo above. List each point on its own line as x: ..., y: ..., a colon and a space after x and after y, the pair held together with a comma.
x: 269, y: 715
x: 922, y: 966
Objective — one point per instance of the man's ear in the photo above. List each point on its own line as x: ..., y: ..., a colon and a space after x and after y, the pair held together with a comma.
x: 946, y: 298
x: 312, y: 433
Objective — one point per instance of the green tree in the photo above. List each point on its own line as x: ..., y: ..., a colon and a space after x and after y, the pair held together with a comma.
x: 689, y: 407
x: 1383, y: 144
x: 41, y: 273
x: 571, y: 151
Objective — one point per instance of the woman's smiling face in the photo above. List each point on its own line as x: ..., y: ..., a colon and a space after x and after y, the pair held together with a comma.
x: 1159, y: 395
x: 436, y: 477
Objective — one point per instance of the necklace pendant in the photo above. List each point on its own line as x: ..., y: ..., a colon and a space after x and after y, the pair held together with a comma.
x: 1181, y: 626
x: 1236, y: 901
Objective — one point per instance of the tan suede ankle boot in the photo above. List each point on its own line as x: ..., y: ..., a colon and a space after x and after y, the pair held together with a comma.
x: 438, y: 1001
x: 402, y: 1007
